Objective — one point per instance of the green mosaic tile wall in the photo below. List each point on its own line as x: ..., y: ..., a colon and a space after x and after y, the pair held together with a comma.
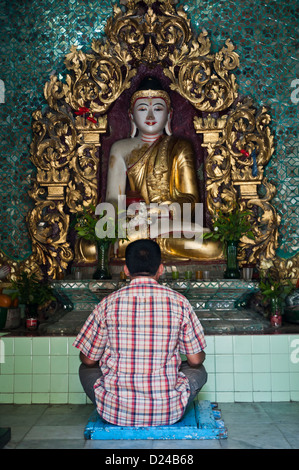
x: 37, y: 34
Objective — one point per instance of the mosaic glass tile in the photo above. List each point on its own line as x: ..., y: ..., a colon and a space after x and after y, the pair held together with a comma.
x: 203, y: 295
x: 37, y: 34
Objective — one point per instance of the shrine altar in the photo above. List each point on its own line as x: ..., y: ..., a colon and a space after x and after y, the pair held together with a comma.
x: 220, y: 304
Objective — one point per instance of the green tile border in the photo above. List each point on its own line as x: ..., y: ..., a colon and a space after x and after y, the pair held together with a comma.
x: 45, y: 369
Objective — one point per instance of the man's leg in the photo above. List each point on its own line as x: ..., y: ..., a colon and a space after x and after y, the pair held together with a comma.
x: 88, y: 377
x: 197, y: 378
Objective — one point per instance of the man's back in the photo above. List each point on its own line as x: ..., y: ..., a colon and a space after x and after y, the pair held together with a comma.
x: 138, y: 334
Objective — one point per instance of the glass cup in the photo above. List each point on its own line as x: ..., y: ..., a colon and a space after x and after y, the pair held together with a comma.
x: 247, y: 274
x: 188, y: 274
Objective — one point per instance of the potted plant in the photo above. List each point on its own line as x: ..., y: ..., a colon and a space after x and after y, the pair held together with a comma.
x: 274, y: 293
x: 33, y: 293
x: 229, y: 228
x: 85, y: 226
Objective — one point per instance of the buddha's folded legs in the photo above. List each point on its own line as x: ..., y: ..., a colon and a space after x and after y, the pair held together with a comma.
x: 183, y: 248
x: 191, y: 248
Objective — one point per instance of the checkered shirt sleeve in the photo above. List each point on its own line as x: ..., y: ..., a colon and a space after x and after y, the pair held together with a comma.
x: 92, y: 339
x: 191, y: 339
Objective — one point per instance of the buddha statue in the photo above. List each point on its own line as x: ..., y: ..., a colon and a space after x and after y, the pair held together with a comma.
x: 160, y: 170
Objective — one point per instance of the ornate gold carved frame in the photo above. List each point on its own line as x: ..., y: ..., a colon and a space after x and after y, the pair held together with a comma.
x: 236, y: 136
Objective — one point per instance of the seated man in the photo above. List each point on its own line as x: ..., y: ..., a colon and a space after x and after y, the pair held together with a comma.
x: 131, y: 343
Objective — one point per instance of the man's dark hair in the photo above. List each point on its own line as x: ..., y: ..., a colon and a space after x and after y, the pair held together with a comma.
x: 143, y: 257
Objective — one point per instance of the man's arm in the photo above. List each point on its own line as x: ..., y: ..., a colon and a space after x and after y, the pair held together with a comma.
x: 195, y: 360
x: 88, y: 362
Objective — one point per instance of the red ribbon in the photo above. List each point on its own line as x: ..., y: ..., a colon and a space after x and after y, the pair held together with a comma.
x: 84, y: 110
x: 92, y: 119
x: 244, y: 152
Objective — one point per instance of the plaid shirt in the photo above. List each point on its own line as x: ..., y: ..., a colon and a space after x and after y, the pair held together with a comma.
x: 137, y: 333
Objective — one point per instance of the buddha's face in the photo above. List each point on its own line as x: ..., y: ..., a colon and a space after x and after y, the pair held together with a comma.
x: 150, y: 115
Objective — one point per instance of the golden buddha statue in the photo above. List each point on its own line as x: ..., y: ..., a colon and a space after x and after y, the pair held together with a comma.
x: 160, y: 169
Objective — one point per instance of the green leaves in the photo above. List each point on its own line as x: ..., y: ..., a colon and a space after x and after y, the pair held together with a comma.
x: 231, y: 226
x: 30, y: 290
x: 86, y: 223
x: 271, y: 288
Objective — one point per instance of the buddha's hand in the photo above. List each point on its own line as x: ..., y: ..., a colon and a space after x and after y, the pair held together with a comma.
x: 143, y: 210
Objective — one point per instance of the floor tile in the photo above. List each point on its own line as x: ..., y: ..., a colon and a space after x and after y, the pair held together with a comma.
x: 187, y: 444
x: 282, y: 411
x: 70, y: 415
x: 257, y: 436
x: 20, y: 415
x: 22, y: 409
x: 17, y: 435
x: 294, y: 442
x: 54, y: 432
x: 117, y: 444
x: 235, y: 414
x: 51, y: 444
x: 290, y: 431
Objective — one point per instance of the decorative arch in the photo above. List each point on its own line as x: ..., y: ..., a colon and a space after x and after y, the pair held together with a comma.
x: 68, y: 136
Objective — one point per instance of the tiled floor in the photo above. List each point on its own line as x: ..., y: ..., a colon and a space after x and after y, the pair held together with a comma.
x: 250, y: 426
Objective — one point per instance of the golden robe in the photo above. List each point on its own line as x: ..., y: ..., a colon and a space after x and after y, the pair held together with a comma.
x: 164, y: 172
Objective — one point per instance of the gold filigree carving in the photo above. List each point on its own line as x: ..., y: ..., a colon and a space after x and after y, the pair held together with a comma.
x: 204, y: 79
x: 238, y: 148
x: 48, y: 227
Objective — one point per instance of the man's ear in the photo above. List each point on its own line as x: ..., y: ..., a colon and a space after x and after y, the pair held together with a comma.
x: 160, y: 271
x: 126, y: 271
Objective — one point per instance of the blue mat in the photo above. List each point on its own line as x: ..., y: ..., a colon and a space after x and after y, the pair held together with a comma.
x: 202, y: 420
